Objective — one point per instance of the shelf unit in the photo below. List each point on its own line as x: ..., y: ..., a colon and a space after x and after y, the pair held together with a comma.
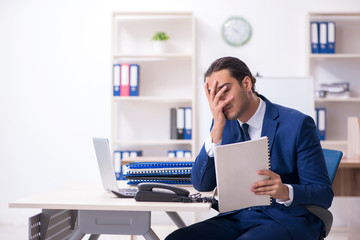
x: 167, y: 80
x: 343, y: 66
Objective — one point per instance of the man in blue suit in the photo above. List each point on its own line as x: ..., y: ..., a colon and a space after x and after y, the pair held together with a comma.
x: 298, y: 174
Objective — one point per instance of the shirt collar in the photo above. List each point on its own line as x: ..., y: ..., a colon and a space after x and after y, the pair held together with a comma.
x: 257, y: 119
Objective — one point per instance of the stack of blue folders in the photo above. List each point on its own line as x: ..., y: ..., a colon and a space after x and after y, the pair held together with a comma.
x: 159, y: 172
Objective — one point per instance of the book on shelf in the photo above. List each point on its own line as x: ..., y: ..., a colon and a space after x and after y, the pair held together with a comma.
x: 322, y: 37
x: 134, y: 80
x: 320, y: 121
x: 181, y: 123
x: 314, y: 36
x: 179, y: 153
x: 188, y: 122
x: 330, y: 47
x: 173, y: 120
x: 126, y: 79
x: 116, y: 79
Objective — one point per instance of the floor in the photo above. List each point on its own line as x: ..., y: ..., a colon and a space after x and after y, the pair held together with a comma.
x: 17, y: 232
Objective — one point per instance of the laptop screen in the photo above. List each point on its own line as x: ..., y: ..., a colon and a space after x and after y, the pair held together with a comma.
x: 105, y: 163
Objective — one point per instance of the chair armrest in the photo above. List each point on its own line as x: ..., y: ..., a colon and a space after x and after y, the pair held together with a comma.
x: 323, y: 214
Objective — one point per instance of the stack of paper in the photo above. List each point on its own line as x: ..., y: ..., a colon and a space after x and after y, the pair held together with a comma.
x: 334, y: 90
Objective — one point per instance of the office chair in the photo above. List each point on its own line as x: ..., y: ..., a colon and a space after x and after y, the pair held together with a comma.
x: 332, y: 160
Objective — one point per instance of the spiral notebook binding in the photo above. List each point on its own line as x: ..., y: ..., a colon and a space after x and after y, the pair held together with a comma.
x: 267, y: 138
x: 269, y: 162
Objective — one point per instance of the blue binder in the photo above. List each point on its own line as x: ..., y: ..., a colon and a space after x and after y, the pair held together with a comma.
x: 331, y: 37
x: 188, y: 122
x: 117, y: 165
x: 180, y: 122
x: 323, y: 34
x: 116, y: 79
x: 179, y: 153
x: 314, y: 37
x: 135, y: 153
x: 321, y: 122
x: 134, y: 79
x: 187, y: 154
x: 171, y: 154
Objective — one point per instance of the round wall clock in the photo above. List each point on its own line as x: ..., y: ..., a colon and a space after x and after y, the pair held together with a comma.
x: 236, y: 31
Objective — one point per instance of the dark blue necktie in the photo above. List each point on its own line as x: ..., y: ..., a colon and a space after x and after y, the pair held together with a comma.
x: 245, y: 128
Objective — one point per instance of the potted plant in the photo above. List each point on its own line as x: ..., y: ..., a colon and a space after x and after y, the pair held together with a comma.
x: 159, y: 40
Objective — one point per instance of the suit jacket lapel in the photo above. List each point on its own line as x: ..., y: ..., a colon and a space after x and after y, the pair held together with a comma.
x: 270, y: 123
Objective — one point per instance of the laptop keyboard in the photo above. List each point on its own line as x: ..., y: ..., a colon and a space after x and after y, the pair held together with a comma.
x: 128, y: 191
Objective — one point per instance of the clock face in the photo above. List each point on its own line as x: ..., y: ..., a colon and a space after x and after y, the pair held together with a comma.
x: 236, y: 31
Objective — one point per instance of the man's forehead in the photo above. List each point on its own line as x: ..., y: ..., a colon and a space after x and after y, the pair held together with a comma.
x: 220, y: 81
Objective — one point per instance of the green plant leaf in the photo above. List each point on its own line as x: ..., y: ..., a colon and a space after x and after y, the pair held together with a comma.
x: 160, y: 36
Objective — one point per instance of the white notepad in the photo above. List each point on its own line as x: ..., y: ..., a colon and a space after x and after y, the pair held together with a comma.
x: 236, y: 167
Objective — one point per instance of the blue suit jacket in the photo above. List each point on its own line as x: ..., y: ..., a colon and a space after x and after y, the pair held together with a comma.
x: 295, y: 154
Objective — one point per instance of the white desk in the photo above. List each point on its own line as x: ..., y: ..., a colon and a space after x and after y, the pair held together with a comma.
x: 97, y: 212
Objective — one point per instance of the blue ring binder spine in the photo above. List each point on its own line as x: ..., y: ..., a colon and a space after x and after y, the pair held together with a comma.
x: 182, y: 182
x: 159, y: 172
x: 159, y: 164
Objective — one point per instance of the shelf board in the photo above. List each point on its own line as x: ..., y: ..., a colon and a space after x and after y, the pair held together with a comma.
x: 334, y: 142
x: 153, y: 99
x: 334, y: 14
x: 349, y: 163
x: 334, y: 56
x: 167, y: 14
x: 351, y: 99
x: 152, y: 142
x: 152, y: 57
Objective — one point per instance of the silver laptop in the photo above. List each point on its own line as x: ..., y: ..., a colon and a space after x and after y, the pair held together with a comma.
x: 107, y: 172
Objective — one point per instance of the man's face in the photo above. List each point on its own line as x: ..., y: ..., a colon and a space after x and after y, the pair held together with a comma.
x: 238, y: 106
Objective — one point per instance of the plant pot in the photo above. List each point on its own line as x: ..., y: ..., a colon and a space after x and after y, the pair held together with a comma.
x: 159, y: 46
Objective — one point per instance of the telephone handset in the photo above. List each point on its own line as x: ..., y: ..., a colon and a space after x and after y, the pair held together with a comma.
x: 160, y: 192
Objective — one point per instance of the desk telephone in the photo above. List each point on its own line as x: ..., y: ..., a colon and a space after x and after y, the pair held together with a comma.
x: 160, y: 192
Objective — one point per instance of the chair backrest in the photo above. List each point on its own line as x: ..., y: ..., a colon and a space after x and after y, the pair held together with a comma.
x: 332, y: 160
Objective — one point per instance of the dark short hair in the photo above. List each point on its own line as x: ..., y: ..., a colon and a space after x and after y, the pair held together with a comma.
x: 237, y: 69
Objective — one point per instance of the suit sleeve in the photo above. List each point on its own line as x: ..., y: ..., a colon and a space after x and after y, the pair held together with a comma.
x: 203, y: 172
x: 203, y: 175
x: 314, y: 184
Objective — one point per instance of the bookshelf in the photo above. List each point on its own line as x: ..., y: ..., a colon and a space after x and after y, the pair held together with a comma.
x: 166, y: 80
x: 343, y: 66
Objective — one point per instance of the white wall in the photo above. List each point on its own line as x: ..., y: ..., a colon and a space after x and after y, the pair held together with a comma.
x: 55, y: 66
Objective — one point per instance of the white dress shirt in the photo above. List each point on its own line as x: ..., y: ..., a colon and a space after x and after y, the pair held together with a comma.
x: 255, y: 128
